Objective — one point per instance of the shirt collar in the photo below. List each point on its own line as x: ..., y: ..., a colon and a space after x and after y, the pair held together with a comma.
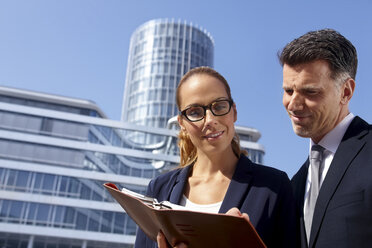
x: 332, y: 140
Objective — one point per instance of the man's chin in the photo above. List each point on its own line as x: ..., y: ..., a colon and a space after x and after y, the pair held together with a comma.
x: 301, y: 132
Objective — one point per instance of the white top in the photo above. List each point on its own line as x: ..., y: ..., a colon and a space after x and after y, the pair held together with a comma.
x: 205, y: 208
x: 330, y: 142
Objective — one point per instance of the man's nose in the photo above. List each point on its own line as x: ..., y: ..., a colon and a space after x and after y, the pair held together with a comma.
x: 295, y: 102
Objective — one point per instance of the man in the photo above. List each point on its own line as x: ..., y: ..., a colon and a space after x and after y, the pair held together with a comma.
x: 334, y: 189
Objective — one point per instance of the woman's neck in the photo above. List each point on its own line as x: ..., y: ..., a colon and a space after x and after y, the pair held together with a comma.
x: 210, y: 177
x: 212, y: 164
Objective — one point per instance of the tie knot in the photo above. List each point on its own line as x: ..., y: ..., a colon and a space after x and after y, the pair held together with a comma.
x: 317, y: 152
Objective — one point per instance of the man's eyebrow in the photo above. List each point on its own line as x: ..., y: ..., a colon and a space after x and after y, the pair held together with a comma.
x: 309, y: 87
x: 302, y: 88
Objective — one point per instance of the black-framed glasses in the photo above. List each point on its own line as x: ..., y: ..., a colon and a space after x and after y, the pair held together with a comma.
x: 198, y: 112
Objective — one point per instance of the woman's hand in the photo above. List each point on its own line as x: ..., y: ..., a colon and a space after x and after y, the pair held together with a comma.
x: 236, y: 212
x: 162, y: 242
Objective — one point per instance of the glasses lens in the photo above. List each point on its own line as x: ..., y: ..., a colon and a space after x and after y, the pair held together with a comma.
x: 220, y: 107
x: 195, y: 113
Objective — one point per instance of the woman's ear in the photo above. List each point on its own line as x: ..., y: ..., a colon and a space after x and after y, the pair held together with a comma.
x: 235, y: 112
x: 180, y: 122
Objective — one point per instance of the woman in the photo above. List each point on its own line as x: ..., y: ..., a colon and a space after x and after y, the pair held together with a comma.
x: 214, y: 175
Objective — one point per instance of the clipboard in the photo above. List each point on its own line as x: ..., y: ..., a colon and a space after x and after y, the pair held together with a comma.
x: 196, y: 229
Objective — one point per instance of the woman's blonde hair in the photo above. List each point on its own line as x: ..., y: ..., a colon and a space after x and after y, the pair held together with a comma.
x: 188, y: 152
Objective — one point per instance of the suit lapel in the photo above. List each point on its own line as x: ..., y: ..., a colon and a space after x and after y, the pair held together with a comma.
x: 238, y: 186
x: 298, y: 184
x: 179, y: 185
x: 235, y: 193
x: 349, y: 147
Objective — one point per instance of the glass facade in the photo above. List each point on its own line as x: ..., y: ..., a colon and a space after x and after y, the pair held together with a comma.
x: 55, y: 154
x: 53, y: 162
x: 160, y: 52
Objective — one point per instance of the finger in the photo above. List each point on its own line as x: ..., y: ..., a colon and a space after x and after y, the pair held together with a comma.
x: 162, y: 242
x: 234, y: 212
x: 181, y: 245
x: 245, y: 216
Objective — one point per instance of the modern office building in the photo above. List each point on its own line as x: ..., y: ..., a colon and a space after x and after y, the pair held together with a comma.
x: 55, y: 154
x: 161, y: 52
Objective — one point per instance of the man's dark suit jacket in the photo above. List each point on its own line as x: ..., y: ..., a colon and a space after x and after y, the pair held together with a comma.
x: 343, y: 211
x: 262, y: 192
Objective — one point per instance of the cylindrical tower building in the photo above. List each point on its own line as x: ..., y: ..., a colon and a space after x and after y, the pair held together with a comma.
x: 161, y: 51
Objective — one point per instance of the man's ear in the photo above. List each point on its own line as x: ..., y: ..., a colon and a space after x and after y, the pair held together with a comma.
x: 347, y: 91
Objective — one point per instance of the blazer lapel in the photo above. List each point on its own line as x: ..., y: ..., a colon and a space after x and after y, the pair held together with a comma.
x: 298, y: 184
x: 349, y: 147
x: 238, y: 185
x: 179, y: 185
x: 235, y: 193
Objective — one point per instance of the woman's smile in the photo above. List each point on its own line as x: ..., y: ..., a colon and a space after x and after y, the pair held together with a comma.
x: 214, y: 135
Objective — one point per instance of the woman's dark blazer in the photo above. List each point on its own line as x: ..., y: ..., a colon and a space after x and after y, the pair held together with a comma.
x: 264, y: 193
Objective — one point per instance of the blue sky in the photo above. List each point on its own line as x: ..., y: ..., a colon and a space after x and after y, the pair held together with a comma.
x: 79, y: 48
